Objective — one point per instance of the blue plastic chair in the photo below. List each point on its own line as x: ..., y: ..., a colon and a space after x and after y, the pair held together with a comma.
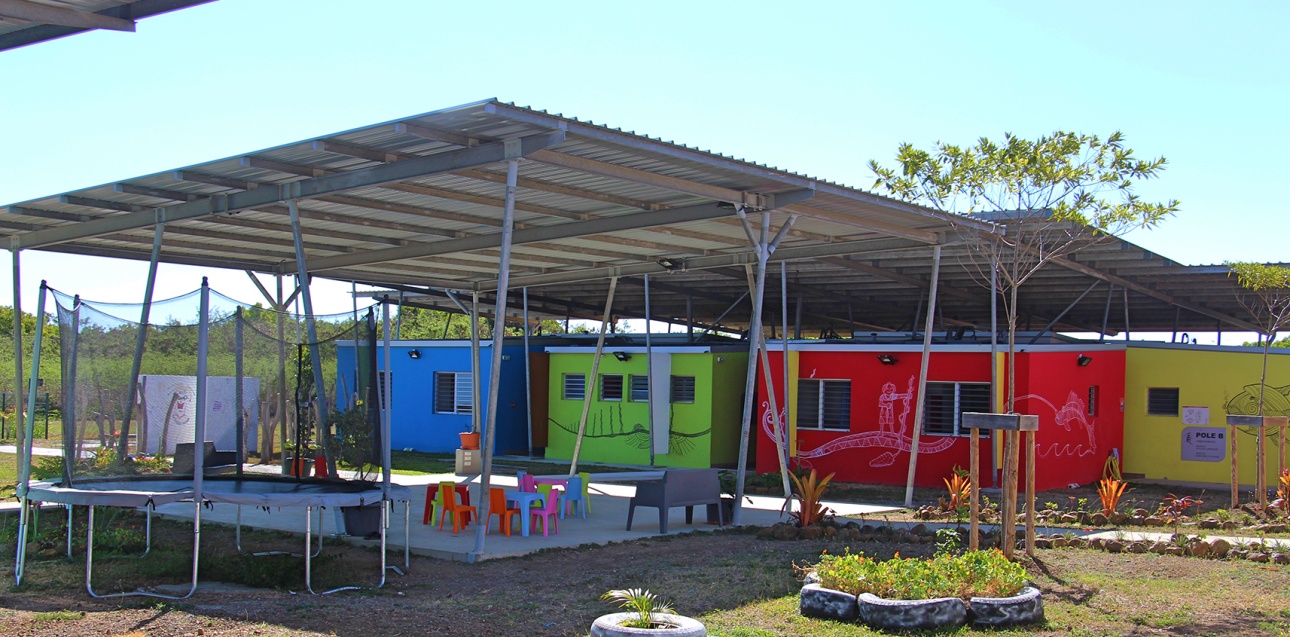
x: 574, y: 495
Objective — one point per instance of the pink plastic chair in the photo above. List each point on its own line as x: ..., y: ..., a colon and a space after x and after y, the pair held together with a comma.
x: 527, y: 483
x: 549, y: 514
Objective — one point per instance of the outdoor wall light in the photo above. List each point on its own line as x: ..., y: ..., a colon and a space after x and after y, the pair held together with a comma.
x: 622, y: 356
x: 671, y: 264
x: 414, y: 354
x: 1083, y: 360
x: 886, y: 359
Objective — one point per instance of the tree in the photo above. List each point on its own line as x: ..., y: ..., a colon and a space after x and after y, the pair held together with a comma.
x: 1265, y: 294
x: 1053, y: 196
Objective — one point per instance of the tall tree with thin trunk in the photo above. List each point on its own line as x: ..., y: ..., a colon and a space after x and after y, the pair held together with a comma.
x: 1265, y: 294
x: 1051, y: 196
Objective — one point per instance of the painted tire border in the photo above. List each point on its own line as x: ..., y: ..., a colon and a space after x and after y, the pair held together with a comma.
x: 1026, y: 607
x: 911, y: 614
x: 610, y: 626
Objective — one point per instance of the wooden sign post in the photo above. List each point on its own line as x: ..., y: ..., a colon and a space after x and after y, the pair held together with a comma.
x: 1261, y: 478
x: 1011, y: 425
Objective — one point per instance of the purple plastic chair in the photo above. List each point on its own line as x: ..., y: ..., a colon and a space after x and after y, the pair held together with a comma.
x: 549, y: 514
x: 527, y: 483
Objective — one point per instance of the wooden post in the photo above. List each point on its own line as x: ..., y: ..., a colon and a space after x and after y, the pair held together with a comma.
x: 1011, y: 457
x: 974, y: 472
x: 1231, y: 434
x: 1030, y: 493
x: 1261, y: 482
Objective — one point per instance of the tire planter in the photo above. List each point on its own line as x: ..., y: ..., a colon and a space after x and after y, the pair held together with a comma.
x: 680, y: 626
x: 1026, y: 607
x: 917, y: 614
x: 826, y: 603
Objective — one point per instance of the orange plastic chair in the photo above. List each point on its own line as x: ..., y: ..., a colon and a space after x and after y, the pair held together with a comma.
x: 497, y: 506
x: 461, y: 513
x: 549, y: 514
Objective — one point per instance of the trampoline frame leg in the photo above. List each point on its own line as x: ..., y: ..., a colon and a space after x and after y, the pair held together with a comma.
x: 385, y: 523
x: 89, y: 558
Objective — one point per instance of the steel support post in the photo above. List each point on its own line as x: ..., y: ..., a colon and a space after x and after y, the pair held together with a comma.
x: 649, y: 374
x: 385, y: 402
x: 17, y: 341
x: 238, y: 398
x: 499, y: 329
x: 922, y: 376
x: 28, y: 428
x: 281, y: 309
x: 139, y: 338
x: 324, y: 427
x: 528, y: 374
x: 589, y: 385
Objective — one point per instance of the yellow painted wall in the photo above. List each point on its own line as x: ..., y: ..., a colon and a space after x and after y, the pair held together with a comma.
x: 1204, y: 378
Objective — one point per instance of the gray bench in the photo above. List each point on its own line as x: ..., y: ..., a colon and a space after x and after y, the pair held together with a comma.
x: 679, y: 487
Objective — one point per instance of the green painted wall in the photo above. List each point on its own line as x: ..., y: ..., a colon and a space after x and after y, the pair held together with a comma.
x: 617, y: 431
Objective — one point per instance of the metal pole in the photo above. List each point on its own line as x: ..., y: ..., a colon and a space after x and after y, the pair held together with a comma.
x: 398, y: 324
x: 589, y: 386
x: 1106, y: 313
x: 17, y: 341
x: 995, y: 385
x: 474, y: 363
x: 499, y: 328
x: 1063, y: 313
x: 783, y: 297
x: 1177, y: 317
x: 312, y: 330
x: 353, y: 294
x: 70, y: 410
x: 649, y: 374
x: 386, y: 402
x: 528, y: 375
x: 1126, y: 315
x: 238, y: 398
x: 281, y: 309
x: 922, y: 377
x: 29, y: 426
x: 689, y: 319
x: 123, y: 446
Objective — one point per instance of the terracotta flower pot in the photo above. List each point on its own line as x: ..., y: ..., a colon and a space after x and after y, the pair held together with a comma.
x: 469, y: 440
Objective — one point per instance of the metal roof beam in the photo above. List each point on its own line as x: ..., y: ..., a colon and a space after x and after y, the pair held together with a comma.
x: 130, y: 11
x: 59, y: 16
x: 1159, y: 296
x: 527, y: 235
x: 304, y: 189
x: 788, y: 253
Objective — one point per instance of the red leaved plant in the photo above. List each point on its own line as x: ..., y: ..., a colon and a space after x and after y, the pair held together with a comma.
x: 808, y: 493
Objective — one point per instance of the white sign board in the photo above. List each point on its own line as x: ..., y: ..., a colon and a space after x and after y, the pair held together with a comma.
x: 1195, y: 415
x: 177, y: 395
x: 1204, y: 444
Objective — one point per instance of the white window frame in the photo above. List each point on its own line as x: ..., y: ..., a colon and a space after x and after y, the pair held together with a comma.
x: 462, y: 390
x: 564, y: 387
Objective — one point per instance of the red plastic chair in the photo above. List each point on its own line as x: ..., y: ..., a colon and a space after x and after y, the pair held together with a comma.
x: 549, y: 514
x: 497, y: 506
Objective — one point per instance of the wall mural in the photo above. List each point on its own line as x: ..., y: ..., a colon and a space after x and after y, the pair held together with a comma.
x: 888, y: 436
x: 1276, y: 401
x: 1073, y: 417
x: 603, y: 424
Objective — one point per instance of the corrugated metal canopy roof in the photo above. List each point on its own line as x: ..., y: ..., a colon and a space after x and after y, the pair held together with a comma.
x: 24, y: 22
x: 418, y: 202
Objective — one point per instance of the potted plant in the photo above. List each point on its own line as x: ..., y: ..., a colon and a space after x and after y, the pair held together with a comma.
x: 469, y: 439
x: 645, y: 615
x: 353, y: 444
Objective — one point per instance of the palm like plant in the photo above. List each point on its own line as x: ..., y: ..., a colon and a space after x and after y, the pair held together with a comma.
x: 640, y: 601
x: 808, y: 493
x: 1110, y: 490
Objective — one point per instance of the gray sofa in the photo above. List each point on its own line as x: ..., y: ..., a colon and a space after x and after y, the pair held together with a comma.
x: 679, y: 487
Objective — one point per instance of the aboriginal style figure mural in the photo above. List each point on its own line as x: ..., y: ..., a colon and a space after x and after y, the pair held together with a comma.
x: 850, y: 409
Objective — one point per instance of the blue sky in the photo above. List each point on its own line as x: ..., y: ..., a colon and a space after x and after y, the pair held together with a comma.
x: 818, y: 88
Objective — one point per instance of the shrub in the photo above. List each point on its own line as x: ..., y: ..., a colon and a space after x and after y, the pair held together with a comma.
x: 974, y: 574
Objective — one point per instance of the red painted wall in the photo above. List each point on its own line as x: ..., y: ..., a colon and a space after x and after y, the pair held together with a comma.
x: 1071, y: 445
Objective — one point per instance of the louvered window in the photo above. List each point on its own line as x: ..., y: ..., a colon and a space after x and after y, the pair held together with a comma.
x: 682, y: 389
x: 640, y: 389
x: 824, y: 404
x: 575, y: 386
x: 1162, y: 401
x: 452, y: 393
x: 611, y: 387
x: 945, y: 403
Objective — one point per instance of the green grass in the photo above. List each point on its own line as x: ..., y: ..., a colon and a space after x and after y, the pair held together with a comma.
x: 56, y: 616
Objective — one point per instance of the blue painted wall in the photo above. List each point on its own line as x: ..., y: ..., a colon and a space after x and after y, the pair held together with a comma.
x: 413, y: 421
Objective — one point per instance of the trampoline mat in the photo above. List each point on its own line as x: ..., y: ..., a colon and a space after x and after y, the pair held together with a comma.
x: 138, y: 491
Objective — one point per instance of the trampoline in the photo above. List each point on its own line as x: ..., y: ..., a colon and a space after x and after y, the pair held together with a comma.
x: 86, y: 359
x: 150, y: 491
